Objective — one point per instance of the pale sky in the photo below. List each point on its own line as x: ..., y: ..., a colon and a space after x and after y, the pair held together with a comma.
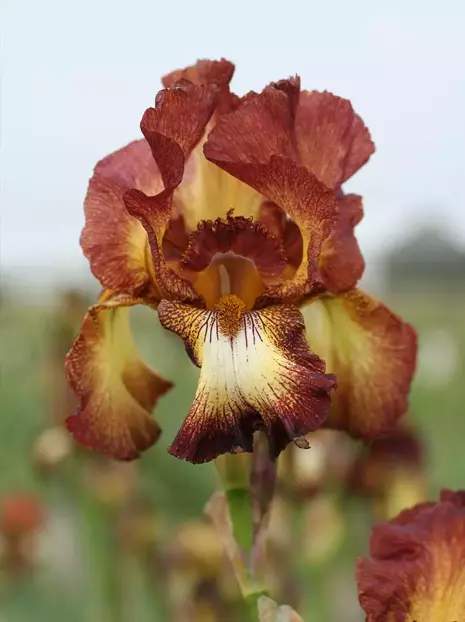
x: 77, y: 76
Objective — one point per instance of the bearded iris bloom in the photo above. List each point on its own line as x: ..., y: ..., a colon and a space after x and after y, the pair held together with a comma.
x: 229, y: 219
x: 416, y: 568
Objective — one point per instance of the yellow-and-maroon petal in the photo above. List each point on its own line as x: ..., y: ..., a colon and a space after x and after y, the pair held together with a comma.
x: 116, y: 388
x: 114, y: 242
x: 256, y: 373
x: 341, y: 262
x: 372, y: 352
x: 208, y: 72
x: 332, y: 140
x: 416, y: 569
x: 172, y: 129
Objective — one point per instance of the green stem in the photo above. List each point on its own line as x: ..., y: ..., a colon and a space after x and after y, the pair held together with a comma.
x: 103, y: 602
x: 103, y: 561
x: 251, y: 601
x: 245, y: 489
x: 240, y: 511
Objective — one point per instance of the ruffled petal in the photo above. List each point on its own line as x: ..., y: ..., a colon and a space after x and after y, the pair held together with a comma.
x: 332, y: 140
x: 114, y: 242
x: 117, y: 390
x: 254, y: 144
x: 208, y: 72
x: 256, y: 373
x: 373, y: 354
x: 204, y: 72
x: 341, y: 262
x: 172, y: 129
x: 416, y: 569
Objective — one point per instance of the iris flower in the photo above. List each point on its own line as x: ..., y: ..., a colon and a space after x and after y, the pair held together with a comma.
x: 416, y: 568
x: 229, y: 219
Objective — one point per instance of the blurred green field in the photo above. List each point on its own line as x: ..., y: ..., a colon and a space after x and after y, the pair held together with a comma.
x: 177, y: 489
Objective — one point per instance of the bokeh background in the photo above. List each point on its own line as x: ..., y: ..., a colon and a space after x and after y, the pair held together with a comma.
x: 110, y: 543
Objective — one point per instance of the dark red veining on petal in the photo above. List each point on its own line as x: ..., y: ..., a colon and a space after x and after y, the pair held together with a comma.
x: 263, y: 377
x: 239, y: 235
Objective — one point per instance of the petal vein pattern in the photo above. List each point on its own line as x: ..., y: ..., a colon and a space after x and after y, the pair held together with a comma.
x: 262, y: 376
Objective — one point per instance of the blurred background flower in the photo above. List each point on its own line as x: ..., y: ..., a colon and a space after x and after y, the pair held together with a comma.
x: 416, y: 563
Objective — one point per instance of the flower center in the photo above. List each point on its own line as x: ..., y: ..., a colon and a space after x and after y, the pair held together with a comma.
x: 230, y: 309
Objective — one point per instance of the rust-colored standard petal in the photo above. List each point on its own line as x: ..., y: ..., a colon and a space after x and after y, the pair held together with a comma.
x: 332, y: 140
x: 251, y: 158
x: 218, y: 72
x: 322, y: 132
x: 208, y: 72
x: 256, y: 373
x: 416, y: 568
x: 373, y: 354
x: 341, y: 262
x: 114, y: 242
x: 172, y: 129
x: 117, y: 390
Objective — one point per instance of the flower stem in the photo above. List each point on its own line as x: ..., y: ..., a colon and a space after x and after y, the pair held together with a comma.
x: 248, y: 483
x: 240, y: 511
